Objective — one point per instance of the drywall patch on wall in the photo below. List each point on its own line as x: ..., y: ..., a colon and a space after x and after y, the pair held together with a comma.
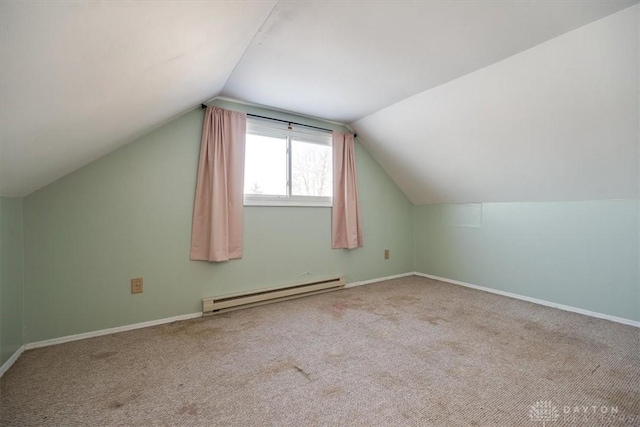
x: 462, y: 214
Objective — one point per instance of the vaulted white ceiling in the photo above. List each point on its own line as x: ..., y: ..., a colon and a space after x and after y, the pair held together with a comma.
x: 344, y: 60
x: 557, y: 122
x: 79, y: 79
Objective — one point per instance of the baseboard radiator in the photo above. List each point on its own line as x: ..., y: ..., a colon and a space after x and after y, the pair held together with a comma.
x: 226, y: 303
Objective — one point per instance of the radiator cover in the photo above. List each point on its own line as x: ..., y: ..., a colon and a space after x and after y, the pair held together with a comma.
x: 221, y: 304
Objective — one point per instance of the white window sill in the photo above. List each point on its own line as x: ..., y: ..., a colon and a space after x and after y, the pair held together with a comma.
x: 284, y: 202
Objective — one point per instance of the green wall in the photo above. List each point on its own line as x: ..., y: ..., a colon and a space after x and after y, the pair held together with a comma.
x: 581, y: 254
x: 128, y: 214
x: 11, y: 277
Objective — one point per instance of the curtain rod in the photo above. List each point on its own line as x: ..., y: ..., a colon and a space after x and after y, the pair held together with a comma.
x: 284, y: 121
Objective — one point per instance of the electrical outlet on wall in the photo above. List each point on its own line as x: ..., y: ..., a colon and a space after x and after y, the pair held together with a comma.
x: 386, y: 254
x: 136, y: 285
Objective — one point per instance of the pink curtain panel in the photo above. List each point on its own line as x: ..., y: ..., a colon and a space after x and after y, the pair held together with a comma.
x: 217, y: 228
x: 346, y: 223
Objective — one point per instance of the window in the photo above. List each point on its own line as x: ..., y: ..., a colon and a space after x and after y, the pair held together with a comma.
x: 287, y: 165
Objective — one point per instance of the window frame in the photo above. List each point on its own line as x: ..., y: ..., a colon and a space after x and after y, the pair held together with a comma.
x: 289, y: 132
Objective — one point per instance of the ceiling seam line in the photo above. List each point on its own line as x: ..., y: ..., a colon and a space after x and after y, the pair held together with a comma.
x: 248, y: 46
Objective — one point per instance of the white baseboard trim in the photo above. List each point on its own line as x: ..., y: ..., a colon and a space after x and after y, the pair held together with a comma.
x: 378, y: 279
x: 101, y: 332
x: 115, y: 330
x: 9, y: 363
x: 536, y: 301
x: 124, y: 328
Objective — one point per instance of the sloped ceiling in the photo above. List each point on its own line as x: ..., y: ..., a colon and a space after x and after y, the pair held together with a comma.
x: 344, y: 60
x: 79, y: 79
x: 558, y: 122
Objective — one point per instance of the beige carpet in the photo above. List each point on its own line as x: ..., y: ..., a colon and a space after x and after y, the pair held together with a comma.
x: 407, y: 352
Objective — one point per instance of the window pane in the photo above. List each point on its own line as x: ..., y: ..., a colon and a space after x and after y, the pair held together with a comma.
x: 311, y: 169
x: 265, y: 165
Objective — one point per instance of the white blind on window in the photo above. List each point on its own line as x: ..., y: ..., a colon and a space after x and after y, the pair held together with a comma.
x: 274, y: 128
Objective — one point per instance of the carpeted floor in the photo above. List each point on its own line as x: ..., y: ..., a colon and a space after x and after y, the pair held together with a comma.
x: 406, y: 352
